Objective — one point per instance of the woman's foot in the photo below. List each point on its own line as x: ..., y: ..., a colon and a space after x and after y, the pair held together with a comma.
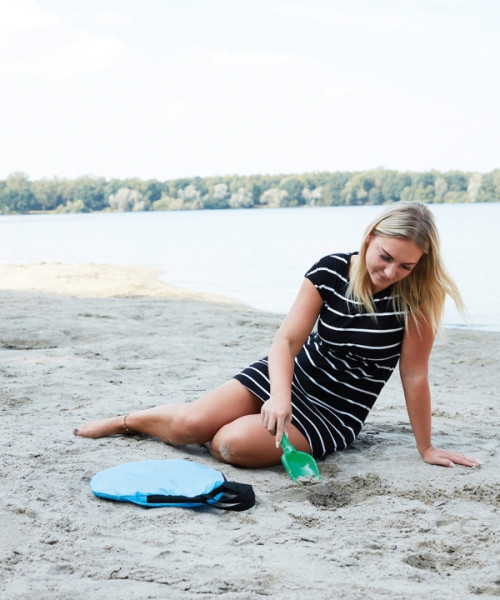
x: 97, y: 429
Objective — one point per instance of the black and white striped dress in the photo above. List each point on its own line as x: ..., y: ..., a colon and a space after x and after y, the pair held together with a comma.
x: 343, y: 365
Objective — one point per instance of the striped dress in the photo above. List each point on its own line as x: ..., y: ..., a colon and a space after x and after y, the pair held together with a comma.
x: 344, y: 364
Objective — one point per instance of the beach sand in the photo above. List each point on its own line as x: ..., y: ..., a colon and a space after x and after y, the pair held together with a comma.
x: 90, y: 341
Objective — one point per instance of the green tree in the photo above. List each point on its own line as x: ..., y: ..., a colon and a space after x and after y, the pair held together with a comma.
x: 168, y: 203
x: 153, y: 190
x: 490, y: 187
x: 393, y: 184
x: 473, y: 186
x: 440, y: 189
x: 457, y: 181
x: 357, y: 188
x: 313, y: 197
x: 16, y: 195
x: 49, y: 193
x: 424, y: 180
x: 241, y: 199
x: 75, y: 206
x: 294, y: 187
x: 423, y: 187
x: 92, y: 192
x: 126, y: 200
x: 218, y: 198
x: 191, y: 197
x: 375, y: 196
x: 274, y: 198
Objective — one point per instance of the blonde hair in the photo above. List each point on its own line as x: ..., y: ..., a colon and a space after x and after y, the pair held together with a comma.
x: 421, y: 294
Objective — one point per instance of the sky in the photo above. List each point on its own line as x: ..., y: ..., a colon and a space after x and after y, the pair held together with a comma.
x: 166, y: 89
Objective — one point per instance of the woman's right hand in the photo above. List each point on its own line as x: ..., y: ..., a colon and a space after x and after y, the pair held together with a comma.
x: 289, y: 339
x: 276, y: 416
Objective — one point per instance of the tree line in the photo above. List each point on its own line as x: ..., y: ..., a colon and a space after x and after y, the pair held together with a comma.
x: 20, y: 195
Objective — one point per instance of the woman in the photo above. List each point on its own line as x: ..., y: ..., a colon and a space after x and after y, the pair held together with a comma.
x: 373, y: 309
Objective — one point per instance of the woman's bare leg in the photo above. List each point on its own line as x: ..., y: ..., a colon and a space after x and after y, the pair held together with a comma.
x: 186, y: 423
x: 245, y: 442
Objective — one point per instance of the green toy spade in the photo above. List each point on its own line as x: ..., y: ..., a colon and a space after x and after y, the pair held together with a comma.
x: 301, y: 466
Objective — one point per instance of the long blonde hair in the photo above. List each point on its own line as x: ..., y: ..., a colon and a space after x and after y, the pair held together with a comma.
x: 422, y: 293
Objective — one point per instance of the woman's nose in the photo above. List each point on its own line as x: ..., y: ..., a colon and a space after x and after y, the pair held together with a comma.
x: 390, y: 271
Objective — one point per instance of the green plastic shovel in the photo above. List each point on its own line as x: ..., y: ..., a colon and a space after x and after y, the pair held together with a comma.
x: 301, y: 466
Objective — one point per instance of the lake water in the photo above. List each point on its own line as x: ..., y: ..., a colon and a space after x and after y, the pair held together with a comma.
x: 255, y: 256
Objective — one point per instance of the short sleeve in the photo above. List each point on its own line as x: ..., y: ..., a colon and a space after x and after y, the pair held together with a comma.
x: 318, y: 273
x: 329, y: 273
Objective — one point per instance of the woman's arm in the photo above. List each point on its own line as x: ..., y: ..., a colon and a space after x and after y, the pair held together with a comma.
x: 413, y: 367
x: 289, y: 339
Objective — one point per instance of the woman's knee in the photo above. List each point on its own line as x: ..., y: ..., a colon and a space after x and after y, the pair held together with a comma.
x: 227, y: 446
x: 245, y: 443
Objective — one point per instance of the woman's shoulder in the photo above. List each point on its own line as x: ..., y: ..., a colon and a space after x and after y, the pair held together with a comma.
x: 339, y: 261
x: 329, y: 268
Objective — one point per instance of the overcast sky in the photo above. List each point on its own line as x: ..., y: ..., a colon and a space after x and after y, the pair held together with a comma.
x: 176, y: 88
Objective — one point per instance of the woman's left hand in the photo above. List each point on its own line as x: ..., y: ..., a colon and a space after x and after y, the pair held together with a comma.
x: 448, y: 458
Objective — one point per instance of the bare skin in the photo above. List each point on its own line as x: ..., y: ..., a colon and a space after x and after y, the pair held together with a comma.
x: 227, y: 419
x: 239, y: 429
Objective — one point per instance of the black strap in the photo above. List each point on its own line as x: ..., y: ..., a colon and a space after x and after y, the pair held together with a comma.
x: 235, y: 496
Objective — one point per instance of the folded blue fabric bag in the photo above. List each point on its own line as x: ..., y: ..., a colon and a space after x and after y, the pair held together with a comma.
x: 171, y: 482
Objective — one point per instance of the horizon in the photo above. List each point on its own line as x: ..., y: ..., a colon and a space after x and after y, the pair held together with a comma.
x: 249, y: 175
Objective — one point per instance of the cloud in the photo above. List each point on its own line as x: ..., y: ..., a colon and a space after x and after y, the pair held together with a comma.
x: 337, y: 18
x: 330, y: 94
x: 82, y: 55
x: 85, y: 54
x: 22, y: 16
x: 485, y: 52
x: 226, y: 58
x: 49, y: 46
x: 174, y: 110
x: 104, y: 18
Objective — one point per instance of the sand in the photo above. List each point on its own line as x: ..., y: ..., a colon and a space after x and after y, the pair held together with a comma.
x: 89, y: 341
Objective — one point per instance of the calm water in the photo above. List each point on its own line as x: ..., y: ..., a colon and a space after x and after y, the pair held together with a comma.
x: 256, y: 256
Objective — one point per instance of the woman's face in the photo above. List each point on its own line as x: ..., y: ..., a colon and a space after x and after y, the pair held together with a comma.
x: 390, y: 259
